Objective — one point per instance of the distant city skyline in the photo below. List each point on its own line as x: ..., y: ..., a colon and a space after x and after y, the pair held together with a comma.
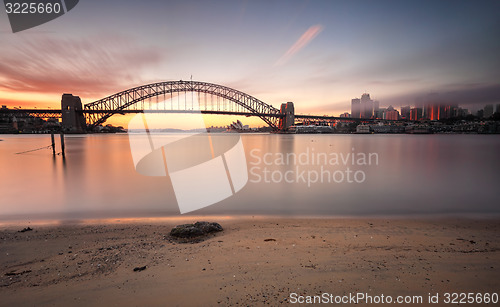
x: 433, y: 109
x: 318, y: 54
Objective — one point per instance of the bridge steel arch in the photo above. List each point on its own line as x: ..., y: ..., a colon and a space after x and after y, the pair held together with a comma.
x: 125, y: 100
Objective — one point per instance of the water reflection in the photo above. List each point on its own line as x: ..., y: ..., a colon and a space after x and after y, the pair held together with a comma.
x: 415, y: 174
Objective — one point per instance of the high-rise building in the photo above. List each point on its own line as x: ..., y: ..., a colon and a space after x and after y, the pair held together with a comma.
x: 376, y: 107
x: 455, y: 111
x: 345, y: 115
x: 448, y: 111
x: 380, y: 113
x: 488, y: 111
x: 416, y: 114
x: 355, y: 108
x: 405, y: 112
x: 431, y: 112
x: 434, y: 111
x: 439, y: 111
x: 366, y: 106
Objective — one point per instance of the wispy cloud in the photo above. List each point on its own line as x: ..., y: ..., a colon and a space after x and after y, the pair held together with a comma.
x: 303, y: 41
x: 90, y: 67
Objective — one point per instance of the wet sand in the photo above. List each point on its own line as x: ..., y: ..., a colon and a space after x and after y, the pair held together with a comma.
x: 254, y: 261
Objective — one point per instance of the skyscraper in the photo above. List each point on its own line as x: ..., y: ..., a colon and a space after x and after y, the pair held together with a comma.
x: 416, y: 114
x: 441, y: 110
x: 376, y: 107
x: 366, y: 106
x: 432, y: 111
x: 355, y: 108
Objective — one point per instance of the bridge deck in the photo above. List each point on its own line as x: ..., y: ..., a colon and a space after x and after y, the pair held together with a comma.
x: 53, y: 113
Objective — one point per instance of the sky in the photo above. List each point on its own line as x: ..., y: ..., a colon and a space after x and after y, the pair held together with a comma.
x: 318, y: 54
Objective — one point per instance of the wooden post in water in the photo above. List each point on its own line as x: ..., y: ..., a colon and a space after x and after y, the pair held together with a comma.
x: 53, y: 143
x: 62, y: 144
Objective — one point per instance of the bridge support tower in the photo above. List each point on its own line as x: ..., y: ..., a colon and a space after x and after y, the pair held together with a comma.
x: 72, y: 120
x: 288, y: 120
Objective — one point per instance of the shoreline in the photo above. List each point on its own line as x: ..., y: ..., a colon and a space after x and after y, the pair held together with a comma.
x: 16, y: 221
x: 252, y: 262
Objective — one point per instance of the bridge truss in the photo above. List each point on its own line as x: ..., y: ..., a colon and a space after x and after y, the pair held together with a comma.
x: 213, y: 98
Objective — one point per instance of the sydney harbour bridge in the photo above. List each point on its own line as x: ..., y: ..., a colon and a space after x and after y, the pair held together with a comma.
x: 212, y: 99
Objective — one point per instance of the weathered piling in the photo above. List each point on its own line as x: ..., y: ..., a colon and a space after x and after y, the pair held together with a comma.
x: 62, y: 144
x: 53, y: 143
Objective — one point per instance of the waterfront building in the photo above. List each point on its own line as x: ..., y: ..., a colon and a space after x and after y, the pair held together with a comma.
x: 391, y: 114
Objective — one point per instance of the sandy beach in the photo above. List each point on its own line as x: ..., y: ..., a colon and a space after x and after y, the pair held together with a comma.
x: 253, y: 262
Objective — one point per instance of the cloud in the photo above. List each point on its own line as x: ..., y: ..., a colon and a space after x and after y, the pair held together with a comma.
x: 478, y: 94
x: 303, y: 41
x: 90, y: 67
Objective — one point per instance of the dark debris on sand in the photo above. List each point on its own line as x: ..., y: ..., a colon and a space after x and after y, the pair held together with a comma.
x: 193, y: 233
x: 140, y: 268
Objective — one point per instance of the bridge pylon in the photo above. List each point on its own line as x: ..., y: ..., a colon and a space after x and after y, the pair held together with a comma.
x: 72, y: 120
x: 288, y: 120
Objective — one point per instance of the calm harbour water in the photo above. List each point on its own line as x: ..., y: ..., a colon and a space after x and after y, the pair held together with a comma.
x: 413, y: 174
